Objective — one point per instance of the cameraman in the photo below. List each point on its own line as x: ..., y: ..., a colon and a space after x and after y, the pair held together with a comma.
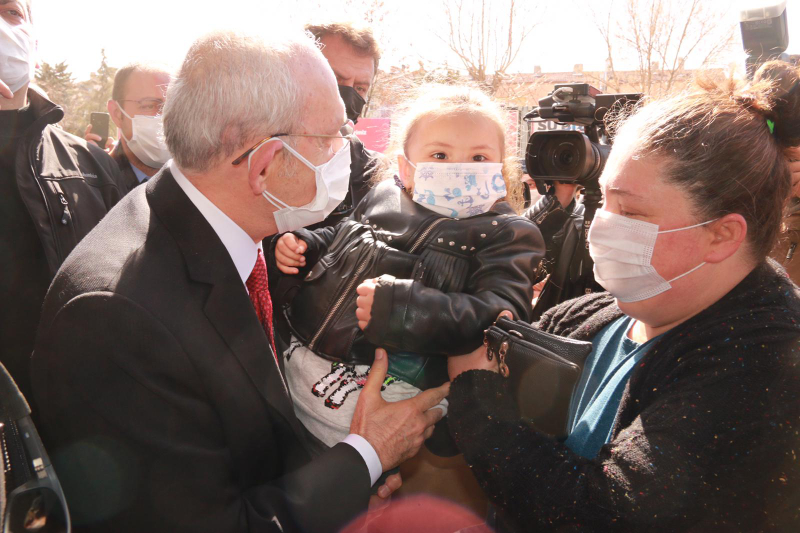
x: 561, y: 275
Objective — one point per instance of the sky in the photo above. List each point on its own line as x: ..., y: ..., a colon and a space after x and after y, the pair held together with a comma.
x: 411, y: 30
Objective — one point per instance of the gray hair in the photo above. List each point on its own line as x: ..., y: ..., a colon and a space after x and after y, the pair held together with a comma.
x: 232, y: 88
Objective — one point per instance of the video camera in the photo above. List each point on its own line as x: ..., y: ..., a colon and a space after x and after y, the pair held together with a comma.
x: 572, y: 156
x: 765, y: 33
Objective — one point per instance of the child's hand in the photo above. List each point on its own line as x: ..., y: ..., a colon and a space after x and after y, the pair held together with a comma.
x: 289, y: 254
x: 366, y: 294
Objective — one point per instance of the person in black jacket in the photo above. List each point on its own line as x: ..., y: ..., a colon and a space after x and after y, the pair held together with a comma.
x: 54, y: 188
x: 172, y: 413
x: 687, y: 415
x: 353, y: 54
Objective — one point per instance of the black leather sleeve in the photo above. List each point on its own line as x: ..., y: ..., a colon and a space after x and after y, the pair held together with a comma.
x: 317, y: 241
x: 138, y: 446
x: 407, y: 316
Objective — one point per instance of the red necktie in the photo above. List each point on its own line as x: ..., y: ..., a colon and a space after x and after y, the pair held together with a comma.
x: 259, y: 294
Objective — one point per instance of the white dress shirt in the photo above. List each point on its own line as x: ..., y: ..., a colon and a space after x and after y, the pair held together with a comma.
x: 244, y: 252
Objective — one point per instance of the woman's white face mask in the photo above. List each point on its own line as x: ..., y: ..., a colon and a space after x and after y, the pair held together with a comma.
x: 622, y: 250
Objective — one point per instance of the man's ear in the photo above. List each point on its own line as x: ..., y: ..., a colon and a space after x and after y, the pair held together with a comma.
x: 260, y: 161
x: 727, y: 234
x: 406, y: 172
x: 115, y: 113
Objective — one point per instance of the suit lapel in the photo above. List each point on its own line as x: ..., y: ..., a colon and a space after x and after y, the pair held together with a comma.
x: 228, y: 306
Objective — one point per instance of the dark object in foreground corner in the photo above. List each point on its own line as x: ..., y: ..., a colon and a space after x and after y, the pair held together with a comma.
x: 543, y: 370
x: 32, y: 494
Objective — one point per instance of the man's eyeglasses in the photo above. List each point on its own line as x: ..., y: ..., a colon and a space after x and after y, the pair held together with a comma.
x: 344, y: 133
x: 149, y: 106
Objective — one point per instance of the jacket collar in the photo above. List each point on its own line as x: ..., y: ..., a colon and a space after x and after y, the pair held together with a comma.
x: 227, y: 306
x: 125, y: 166
x: 45, y: 111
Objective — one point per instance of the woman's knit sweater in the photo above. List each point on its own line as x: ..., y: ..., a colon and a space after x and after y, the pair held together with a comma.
x: 707, y: 435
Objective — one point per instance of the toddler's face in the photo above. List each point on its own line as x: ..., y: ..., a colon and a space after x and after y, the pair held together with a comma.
x: 461, y: 138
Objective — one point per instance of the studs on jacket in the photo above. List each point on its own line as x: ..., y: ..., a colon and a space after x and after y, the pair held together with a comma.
x: 452, y: 243
x: 440, y: 240
x: 494, y: 222
x: 483, y: 235
x: 464, y: 248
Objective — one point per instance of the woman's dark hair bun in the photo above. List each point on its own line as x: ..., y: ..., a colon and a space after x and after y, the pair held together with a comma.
x: 776, y: 95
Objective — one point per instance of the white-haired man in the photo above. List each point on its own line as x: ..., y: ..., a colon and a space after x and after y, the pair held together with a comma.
x: 172, y: 414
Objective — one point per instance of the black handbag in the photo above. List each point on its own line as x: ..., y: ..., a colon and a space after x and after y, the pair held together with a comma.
x: 543, y: 371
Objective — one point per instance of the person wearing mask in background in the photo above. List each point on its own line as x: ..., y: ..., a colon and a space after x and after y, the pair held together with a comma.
x: 353, y: 54
x: 54, y: 188
x: 135, y: 107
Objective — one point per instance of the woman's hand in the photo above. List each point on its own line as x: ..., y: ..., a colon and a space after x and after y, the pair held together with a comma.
x: 366, y: 295
x: 477, y: 360
x: 289, y: 254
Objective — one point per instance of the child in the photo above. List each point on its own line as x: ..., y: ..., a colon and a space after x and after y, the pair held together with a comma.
x: 475, y: 258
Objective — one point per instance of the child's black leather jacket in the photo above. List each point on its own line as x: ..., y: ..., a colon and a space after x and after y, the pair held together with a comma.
x: 467, y: 272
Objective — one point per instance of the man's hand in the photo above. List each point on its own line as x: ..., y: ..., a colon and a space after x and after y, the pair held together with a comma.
x: 396, y: 430
x: 393, y: 483
x: 94, y: 138
x: 366, y: 295
x: 289, y: 253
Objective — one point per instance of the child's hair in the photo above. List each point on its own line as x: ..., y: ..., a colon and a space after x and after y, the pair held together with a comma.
x: 726, y: 144
x: 436, y: 100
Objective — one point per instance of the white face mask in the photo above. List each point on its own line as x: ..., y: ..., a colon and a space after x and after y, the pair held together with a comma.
x: 333, y: 183
x: 458, y: 189
x: 622, y: 249
x: 147, y: 140
x: 17, y: 59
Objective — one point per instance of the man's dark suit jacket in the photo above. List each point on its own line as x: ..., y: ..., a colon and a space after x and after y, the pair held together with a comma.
x: 129, y: 178
x: 157, y: 392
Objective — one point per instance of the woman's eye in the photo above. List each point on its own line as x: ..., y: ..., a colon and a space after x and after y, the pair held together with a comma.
x: 439, y: 155
x: 479, y: 158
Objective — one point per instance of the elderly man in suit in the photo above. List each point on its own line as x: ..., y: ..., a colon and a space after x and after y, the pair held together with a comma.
x: 160, y: 394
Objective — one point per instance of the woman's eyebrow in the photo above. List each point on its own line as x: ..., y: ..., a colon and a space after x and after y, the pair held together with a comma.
x: 623, y: 192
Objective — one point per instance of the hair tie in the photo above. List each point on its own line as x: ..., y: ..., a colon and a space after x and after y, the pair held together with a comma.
x: 771, y: 126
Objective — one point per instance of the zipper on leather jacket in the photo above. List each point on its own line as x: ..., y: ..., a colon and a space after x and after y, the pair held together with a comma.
x: 338, y: 304
x: 425, y: 234
x: 351, y: 285
x: 66, y: 216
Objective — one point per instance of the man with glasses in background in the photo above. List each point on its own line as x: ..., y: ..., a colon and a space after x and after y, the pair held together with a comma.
x: 137, y: 101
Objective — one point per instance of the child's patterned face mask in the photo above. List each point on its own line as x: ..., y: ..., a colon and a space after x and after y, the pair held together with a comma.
x: 458, y: 189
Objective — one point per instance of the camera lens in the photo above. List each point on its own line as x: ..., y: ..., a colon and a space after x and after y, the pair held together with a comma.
x: 561, y: 157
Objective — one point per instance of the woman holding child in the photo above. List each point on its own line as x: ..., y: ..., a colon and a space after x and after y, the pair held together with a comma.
x: 687, y: 415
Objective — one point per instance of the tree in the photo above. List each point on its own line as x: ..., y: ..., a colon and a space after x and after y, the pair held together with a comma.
x: 57, y: 82
x: 660, y: 37
x: 94, y: 94
x: 487, y: 36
